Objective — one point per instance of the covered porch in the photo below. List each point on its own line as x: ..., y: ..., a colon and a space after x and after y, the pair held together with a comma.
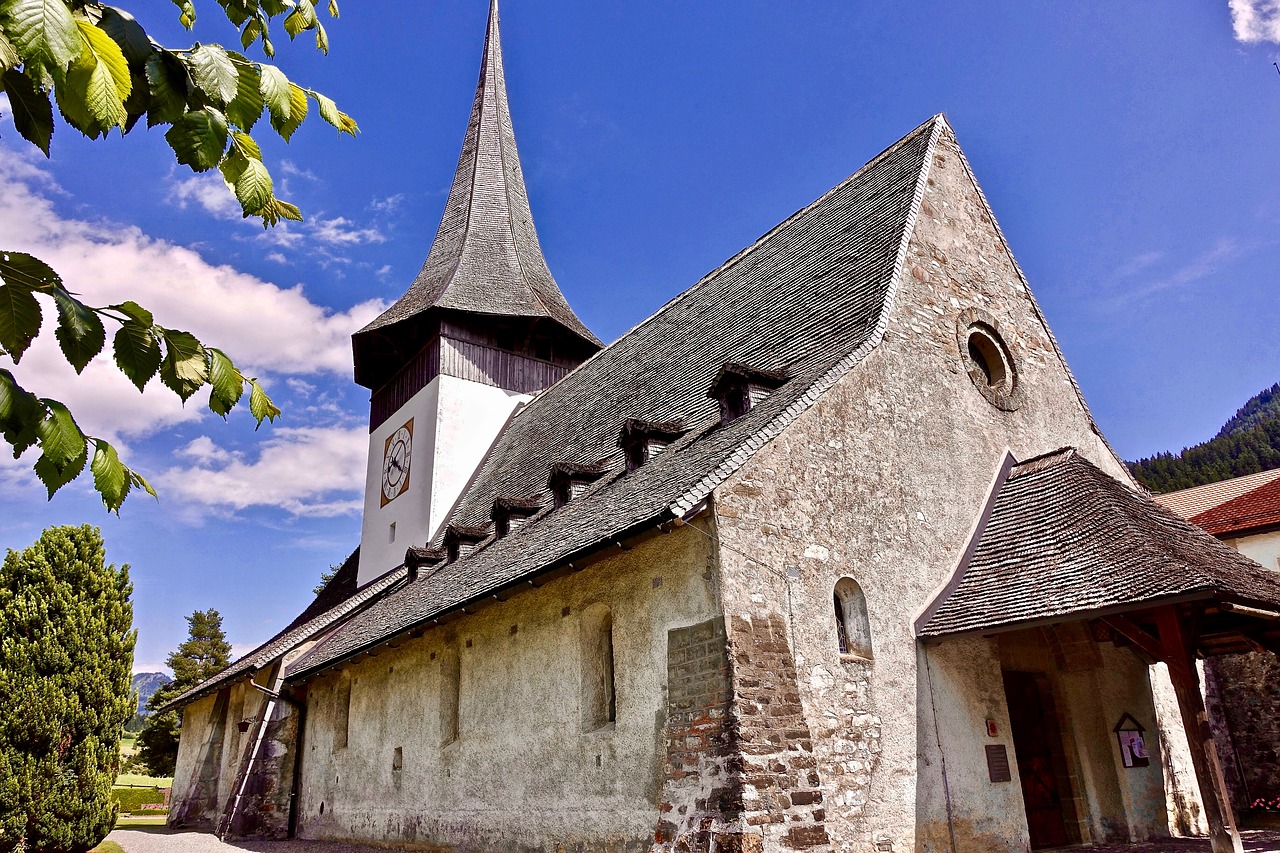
x: 1086, y: 607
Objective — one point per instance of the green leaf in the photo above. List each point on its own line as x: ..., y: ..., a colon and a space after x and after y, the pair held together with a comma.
x: 329, y: 112
x: 333, y: 8
x: 253, y: 188
x: 245, y: 144
x: 322, y: 39
x: 250, y: 33
x: 135, y: 311
x: 64, y: 447
x: 79, y: 332
x: 214, y: 73
x: 8, y: 54
x: 32, y: 112
x: 168, y: 81
x: 110, y: 476
x: 228, y: 385
x: 297, y: 112
x: 139, y: 101
x: 43, y: 32
x: 246, y: 107
x: 185, y: 367
x: 260, y: 405
x: 275, y: 92
x: 127, y: 33
x: 277, y: 210
x: 268, y: 48
x: 199, y: 138
x: 187, y: 12
x: 141, y: 482
x: 20, y: 313
x: 233, y: 166
x: 20, y: 413
x: 303, y: 17
x: 276, y: 7
x: 137, y: 352
x: 60, y: 438
x: 92, y: 95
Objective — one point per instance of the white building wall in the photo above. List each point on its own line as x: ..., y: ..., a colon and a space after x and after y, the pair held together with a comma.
x: 455, y: 422
x: 1263, y: 548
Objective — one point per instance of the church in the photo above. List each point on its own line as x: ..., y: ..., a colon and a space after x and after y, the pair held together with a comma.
x: 828, y: 554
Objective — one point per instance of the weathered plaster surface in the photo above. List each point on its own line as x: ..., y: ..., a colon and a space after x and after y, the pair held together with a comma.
x: 522, y: 774
x: 882, y: 481
x: 454, y: 423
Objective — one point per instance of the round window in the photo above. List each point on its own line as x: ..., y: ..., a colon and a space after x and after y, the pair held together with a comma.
x: 987, y: 359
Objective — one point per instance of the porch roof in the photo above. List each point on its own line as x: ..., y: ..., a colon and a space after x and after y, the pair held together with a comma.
x: 1065, y: 541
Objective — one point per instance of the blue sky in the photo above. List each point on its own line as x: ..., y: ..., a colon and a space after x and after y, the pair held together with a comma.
x: 1129, y: 150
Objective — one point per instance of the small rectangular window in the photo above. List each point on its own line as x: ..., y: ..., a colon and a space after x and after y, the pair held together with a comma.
x: 341, y: 713
x: 391, y: 534
x: 450, y: 696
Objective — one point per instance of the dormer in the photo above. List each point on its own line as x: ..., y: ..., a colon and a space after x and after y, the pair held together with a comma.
x: 568, y: 480
x: 510, y: 513
x: 738, y: 388
x: 417, y: 559
x: 642, y: 440
x: 460, y: 541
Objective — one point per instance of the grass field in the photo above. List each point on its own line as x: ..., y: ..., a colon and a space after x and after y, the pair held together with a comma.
x: 126, y: 779
x: 107, y: 847
x: 128, y: 821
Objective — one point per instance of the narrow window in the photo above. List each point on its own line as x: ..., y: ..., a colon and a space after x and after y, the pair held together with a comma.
x: 391, y: 534
x: 342, y: 712
x: 853, y: 630
x: 599, y: 696
x: 450, y: 695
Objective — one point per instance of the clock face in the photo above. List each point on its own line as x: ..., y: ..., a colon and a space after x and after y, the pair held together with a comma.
x: 396, y: 457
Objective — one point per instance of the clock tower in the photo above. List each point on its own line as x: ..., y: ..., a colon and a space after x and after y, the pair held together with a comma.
x: 482, y: 328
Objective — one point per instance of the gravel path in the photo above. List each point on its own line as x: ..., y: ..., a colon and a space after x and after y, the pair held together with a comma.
x: 163, y: 840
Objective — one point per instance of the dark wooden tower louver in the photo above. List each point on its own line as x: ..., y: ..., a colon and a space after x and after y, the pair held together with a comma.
x: 485, y: 306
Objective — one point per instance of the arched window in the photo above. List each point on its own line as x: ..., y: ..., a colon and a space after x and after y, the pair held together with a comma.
x: 853, y: 630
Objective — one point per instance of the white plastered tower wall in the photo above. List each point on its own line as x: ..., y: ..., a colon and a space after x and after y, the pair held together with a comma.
x: 455, y: 422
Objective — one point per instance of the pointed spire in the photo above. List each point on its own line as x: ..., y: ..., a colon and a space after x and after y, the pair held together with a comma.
x: 486, y: 258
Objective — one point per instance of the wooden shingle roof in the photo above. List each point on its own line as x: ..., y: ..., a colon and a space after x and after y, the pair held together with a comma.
x: 812, y: 295
x: 1197, y: 499
x: 1066, y: 541
x: 486, y: 258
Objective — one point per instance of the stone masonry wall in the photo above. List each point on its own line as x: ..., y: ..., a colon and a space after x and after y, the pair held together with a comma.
x: 702, y: 787
x: 881, y: 481
x: 782, y: 792
x: 1248, y: 693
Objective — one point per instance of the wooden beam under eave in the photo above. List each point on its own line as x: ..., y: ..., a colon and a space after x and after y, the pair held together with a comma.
x: 1178, y: 641
x: 1148, y: 644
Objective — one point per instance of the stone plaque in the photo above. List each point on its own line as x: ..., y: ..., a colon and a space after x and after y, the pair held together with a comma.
x: 998, y: 763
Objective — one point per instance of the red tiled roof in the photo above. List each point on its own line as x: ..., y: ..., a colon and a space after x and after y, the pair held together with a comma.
x: 1198, y: 499
x: 1257, y: 508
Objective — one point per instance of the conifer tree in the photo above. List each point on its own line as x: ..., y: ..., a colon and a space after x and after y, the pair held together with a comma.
x: 202, y: 655
x: 66, y: 655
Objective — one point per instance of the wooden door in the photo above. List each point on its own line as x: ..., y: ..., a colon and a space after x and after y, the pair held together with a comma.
x: 1035, y: 735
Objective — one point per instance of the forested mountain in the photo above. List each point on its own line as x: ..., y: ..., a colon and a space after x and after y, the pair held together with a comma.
x: 1247, y: 443
x: 147, y: 683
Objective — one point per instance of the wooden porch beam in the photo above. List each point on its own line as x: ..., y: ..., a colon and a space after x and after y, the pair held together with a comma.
x: 1177, y: 638
x: 1123, y: 626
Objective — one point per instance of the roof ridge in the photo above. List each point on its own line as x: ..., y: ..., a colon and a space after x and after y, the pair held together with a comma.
x: 741, y: 254
x: 823, y: 383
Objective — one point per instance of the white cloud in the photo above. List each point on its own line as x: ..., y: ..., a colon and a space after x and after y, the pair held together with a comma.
x: 263, y: 326
x: 307, y: 471
x: 1256, y: 20
x: 388, y: 205
x: 341, y: 231
x: 266, y: 328
x: 208, y: 191
x: 289, y: 167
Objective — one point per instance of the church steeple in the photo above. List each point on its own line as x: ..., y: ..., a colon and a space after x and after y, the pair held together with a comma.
x: 482, y: 327
x: 486, y: 259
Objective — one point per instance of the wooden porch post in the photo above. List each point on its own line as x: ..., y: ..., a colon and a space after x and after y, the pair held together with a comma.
x: 1179, y: 655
